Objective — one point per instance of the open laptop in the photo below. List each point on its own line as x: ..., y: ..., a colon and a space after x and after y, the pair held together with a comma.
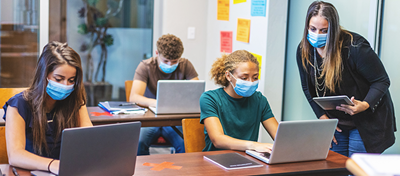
x: 178, y: 96
x: 299, y: 141
x: 99, y: 150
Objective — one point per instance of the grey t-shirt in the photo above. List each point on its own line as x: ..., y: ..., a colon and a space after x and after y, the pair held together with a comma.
x: 149, y: 72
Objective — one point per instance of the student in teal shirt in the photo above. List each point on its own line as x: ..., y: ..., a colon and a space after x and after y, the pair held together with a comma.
x: 232, y: 114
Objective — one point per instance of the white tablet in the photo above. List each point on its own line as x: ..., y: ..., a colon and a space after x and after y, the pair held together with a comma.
x: 330, y: 102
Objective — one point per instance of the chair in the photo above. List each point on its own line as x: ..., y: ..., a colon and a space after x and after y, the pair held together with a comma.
x: 193, y: 133
x: 128, y: 88
x: 5, y: 94
x: 3, y: 147
x: 160, y: 141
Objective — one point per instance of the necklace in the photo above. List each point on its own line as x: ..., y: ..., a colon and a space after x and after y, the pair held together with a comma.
x: 319, y: 87
x: 54, y: 114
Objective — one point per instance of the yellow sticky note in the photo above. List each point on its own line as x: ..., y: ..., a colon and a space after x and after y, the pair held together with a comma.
x: 238, y: 1
x: 243, y: 30
x: 259, y: 59
x: 223, y: 10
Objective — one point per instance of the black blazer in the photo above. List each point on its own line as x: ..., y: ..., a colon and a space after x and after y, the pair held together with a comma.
x: 365, y: 78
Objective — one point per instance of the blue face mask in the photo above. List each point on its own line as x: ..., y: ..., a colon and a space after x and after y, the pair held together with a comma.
x: 244, y: 88
x: 168, y: 68
x: 316, y: 40
x: 58, y: 91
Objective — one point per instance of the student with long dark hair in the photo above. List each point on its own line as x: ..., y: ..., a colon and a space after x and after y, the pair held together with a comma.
x: 36, y: 117
x: 233, y: 113
x: 334, y: 61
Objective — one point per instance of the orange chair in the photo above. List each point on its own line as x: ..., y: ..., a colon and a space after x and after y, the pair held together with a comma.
x: 193, y: 133
x: 5, y: 94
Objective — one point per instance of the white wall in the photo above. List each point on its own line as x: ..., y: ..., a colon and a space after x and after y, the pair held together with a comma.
x: 178, y: 15
x: 6, y: 11
x: 174, y: 17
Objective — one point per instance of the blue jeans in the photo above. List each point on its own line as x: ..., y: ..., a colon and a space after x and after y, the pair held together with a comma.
x: 349, y: 142
x: 148, y: 135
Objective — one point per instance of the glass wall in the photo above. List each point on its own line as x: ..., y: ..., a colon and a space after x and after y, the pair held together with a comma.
x: 19, y: 29
x: 112, y: 37
x: 390, y: 35
x: 356, y: 19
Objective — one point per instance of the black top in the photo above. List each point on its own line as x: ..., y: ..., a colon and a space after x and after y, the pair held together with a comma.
x: 365, y: 78
x: 25, y: 112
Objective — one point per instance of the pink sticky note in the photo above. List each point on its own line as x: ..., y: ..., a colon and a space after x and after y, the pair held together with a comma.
x: 226, y: 41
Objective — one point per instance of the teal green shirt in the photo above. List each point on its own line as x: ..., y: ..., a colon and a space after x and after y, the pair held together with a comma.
x: 240, y: 117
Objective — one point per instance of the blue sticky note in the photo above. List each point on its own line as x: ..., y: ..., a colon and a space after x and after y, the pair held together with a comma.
x: 258, y: 7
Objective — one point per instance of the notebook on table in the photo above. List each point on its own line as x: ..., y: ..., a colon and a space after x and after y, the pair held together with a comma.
x: 178, y: 96
x: 99, y: 150
x: 233, y: 160
x: 299, y: 141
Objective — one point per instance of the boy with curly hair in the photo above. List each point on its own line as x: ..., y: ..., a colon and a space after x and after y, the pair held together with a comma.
x: 167, y: 65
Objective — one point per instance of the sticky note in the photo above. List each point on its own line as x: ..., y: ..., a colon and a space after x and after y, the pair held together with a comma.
x: 223, y: 10
x: 238, y: 1
x: 258, y: 7
x: 226, y: 41
x: 243, y: 30
x: 259, y: 59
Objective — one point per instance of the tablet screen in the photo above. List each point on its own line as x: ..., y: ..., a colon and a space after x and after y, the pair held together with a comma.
x: 330, y: 102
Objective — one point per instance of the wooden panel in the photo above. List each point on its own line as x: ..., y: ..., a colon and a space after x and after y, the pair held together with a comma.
x: 193, y: 133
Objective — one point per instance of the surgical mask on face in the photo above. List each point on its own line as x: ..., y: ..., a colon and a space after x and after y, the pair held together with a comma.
x: 316, y: 40
x: 244, y: 88
x: 58, y: 91
x: 168, y: 68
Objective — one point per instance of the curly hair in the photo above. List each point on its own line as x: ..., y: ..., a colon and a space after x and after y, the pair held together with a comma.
x: 230, y: 63
x: 170, y: 46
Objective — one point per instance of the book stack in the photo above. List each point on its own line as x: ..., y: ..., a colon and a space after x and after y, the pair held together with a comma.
x: 121, y: 107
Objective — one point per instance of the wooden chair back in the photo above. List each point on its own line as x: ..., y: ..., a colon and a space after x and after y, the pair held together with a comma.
x: 193, y: 135
x: 128, y: 88
x: 7, y: 93
x: 3, y: 147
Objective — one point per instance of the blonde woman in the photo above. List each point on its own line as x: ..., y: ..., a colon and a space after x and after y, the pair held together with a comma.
x: 334, y: 61
x: 232, y: 114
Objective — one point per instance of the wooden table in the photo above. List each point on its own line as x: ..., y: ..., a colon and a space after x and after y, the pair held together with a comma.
x: 195, y: 164
x: 148, y: 119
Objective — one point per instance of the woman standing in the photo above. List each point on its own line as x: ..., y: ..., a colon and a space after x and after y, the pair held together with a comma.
x: 334, y: 61
x: 36, y: 117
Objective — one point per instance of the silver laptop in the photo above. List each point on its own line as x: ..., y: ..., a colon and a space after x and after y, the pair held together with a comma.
x: 99, y: 150
x: 178, y: 96
x: 299, y: 141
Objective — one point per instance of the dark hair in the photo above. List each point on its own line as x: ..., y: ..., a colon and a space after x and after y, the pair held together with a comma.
x: 332, y: 64
x: 170, y: 46
x: 230, y: 63
x: 66, y: 111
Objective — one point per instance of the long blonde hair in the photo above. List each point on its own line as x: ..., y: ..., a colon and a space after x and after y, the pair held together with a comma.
x: 230, y: 63
x: 332, y: 64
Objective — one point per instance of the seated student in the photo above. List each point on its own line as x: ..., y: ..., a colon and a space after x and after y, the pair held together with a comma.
x: 167, y: 65
x: 232, y: 114
x: 36, y: 117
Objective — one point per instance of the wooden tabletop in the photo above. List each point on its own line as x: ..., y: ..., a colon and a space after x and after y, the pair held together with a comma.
x: 195, y: 164
x: 98, y: 117
x: 148, y: 119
